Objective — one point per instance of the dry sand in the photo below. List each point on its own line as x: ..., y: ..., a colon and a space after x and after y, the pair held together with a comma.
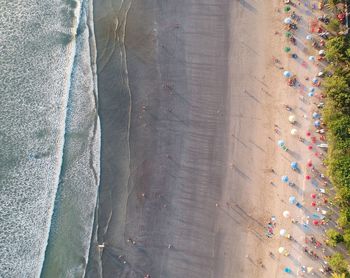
x: 205, y: 96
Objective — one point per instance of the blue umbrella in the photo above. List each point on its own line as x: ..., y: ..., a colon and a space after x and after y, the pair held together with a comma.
x: 287, y: 270
x: 287, y: 74
x: 292, y: 200
x: 310, y: 94
x: 294, y: 165
x: 317, y: 123
x: 280, y: 143
x: 314, y: 80
x: 315, y: 115
x: 284, y: 179
x: 312, y: 90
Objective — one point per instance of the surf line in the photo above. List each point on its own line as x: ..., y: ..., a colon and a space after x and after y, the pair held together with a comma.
x: 72, y: 50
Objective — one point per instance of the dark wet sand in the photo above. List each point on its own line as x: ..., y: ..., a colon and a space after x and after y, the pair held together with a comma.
x: 161, y: 180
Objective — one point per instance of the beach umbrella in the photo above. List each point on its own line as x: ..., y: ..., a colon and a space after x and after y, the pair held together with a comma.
x: 311, y: 94
x: 280, y: 143
x: 294, y: 165
x: 309, y: 37
x: 285, y: 179
x: 309, y: 269
x: 317, y: 123
x: 307, y: 177
x: 281, y: 250
x: 322, y: 52
x: 288, y: 34
x: 315, y: 222
x: 313, y: 196
x: 309, y: 163
x: 292, y: 200
x: 286, y: 9
x: 287, y: 20
x: 287, y: 74
x: 309, y: 147
x: 287, y: 49
x: 283, y: 232
x: 314, y: 80
x: 287, y: 270
x: 294, y: 131
x: 313, y: 204
x: 316, y: 153
x: 313, y: 139
x: 320, y: 74
x: 311, y: 58
x: 312, y: 90
x: 308, y: 134
x: 315, y: 115
x: 286, y: 214
x: 292, y: 119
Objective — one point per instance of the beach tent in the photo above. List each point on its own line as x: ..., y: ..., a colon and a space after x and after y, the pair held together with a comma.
x: 294, y: 165
x: 287, y: 74
x: 294, y: 131
x: 287, y: 20
x: 284, y: 179
x: 317, y: 123
x: 286, y: 214
x: 292, y: 200
x: 315, y: 115
x: 292, y: 118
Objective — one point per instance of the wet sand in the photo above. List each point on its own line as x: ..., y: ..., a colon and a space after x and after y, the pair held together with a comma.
x: 184, y: 190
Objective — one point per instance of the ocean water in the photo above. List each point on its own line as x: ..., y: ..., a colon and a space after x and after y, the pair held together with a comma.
x: 49, y: 137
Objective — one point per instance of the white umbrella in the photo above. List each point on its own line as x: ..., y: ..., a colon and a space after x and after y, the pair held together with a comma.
x: 292, y: 118
x: 287, y: 20
x: 294, y: 131
x: 286, y: 214
x: 311, y: 58
x: 287, y: 74
x: 283, y: 232
x: 309, y: 37
x: 281, y: 250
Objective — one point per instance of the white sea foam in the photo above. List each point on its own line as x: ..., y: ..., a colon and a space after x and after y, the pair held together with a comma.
x: 36, y: 54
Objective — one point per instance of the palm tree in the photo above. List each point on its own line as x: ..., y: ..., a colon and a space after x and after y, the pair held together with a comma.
x: 331, y: 5
x: 337, y: 275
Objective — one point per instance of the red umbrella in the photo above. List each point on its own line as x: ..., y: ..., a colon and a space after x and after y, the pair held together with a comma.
x: 313, y: 139
x: 316, y: 154
x: 309, y: 164
x: 313, y: 204
x: 313, y: 195
x: 315, y: 222
x: 308, y: 133
x: 308, y: 177
x: 309, y: 147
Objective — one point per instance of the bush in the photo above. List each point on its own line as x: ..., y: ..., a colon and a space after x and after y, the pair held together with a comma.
x: 338, y: 263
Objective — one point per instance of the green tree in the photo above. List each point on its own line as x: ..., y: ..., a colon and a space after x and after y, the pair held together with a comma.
x: 338, y: 263
x: 337, y: 88
x: 336, y: 49
x: 334, y: 237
